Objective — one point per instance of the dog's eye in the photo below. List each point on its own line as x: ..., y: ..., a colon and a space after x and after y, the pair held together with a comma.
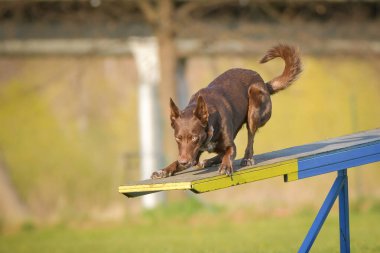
x: 194, y: 138
x: 178, y: 138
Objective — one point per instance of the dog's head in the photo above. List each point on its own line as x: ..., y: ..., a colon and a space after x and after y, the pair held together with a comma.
x: 190, y: 130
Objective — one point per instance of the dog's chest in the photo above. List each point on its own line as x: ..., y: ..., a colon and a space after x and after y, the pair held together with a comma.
x: 209, y: 147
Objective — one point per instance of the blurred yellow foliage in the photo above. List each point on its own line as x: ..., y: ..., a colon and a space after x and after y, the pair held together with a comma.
x: 66, y: 124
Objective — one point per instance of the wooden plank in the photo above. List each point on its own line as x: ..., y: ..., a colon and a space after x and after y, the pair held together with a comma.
x: 315, y: 158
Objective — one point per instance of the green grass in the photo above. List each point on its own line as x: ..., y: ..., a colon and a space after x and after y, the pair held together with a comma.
x: 191, y: 227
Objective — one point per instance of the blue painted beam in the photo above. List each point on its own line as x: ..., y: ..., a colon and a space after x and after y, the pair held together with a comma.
x: 339, y: 166
x: 336, y: 156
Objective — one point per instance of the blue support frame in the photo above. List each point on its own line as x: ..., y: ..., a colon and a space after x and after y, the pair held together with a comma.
x: 339, y: 188
x: 344, y: 223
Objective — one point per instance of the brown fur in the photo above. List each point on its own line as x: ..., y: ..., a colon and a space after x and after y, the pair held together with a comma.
x: 215, y: 114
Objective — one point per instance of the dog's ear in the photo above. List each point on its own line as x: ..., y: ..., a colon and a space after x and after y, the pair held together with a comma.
x: 201, y: 111
x: 174, y: 112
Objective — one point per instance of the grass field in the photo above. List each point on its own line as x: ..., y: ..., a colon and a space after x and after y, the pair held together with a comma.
x: 195, y: 228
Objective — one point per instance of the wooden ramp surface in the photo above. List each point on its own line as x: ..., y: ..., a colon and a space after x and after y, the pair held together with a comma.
x: 293, y: 163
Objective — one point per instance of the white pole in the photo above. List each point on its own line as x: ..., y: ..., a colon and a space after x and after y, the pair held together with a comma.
x: 145, y: 52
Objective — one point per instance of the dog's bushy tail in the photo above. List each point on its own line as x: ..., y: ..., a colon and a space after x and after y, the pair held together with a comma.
x: 293, y: 67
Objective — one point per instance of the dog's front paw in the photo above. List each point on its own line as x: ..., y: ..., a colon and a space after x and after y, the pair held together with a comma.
x: 205, y: 163
x: 226, y: 168
x: 159, y: 174
x: 247, y: 162
x: 201, y: 165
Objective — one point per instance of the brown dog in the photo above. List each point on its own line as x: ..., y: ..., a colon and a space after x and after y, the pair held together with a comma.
x: 215, y: 114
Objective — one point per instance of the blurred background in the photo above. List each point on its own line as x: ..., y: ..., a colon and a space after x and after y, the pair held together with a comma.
x: 84, y: 97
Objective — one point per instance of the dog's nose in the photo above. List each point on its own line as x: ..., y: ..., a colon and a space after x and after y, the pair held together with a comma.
x: 183, y: 162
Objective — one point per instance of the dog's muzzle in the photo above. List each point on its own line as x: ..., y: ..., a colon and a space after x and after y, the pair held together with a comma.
x: 186, y: 165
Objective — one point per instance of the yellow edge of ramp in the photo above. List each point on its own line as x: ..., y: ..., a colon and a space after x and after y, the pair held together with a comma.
x: 247, y: 175
x: 155, y: 187
x: 291, y: 177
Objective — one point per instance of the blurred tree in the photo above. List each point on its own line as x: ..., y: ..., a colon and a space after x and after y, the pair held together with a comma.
x: 160, y: 15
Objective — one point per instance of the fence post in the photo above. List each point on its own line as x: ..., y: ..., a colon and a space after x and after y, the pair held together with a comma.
x: 145, y: 53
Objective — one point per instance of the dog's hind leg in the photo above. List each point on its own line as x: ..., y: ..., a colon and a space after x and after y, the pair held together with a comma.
x: 248, y: 155
x: 258, y: 100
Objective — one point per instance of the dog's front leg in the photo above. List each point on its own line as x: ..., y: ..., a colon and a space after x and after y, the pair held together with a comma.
x: 166, y: 172
x: 212, y: 161
x: 196, y: 161
x: 226, y: 166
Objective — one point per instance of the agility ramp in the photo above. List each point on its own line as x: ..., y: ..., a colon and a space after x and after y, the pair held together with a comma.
x: 295, y: 163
